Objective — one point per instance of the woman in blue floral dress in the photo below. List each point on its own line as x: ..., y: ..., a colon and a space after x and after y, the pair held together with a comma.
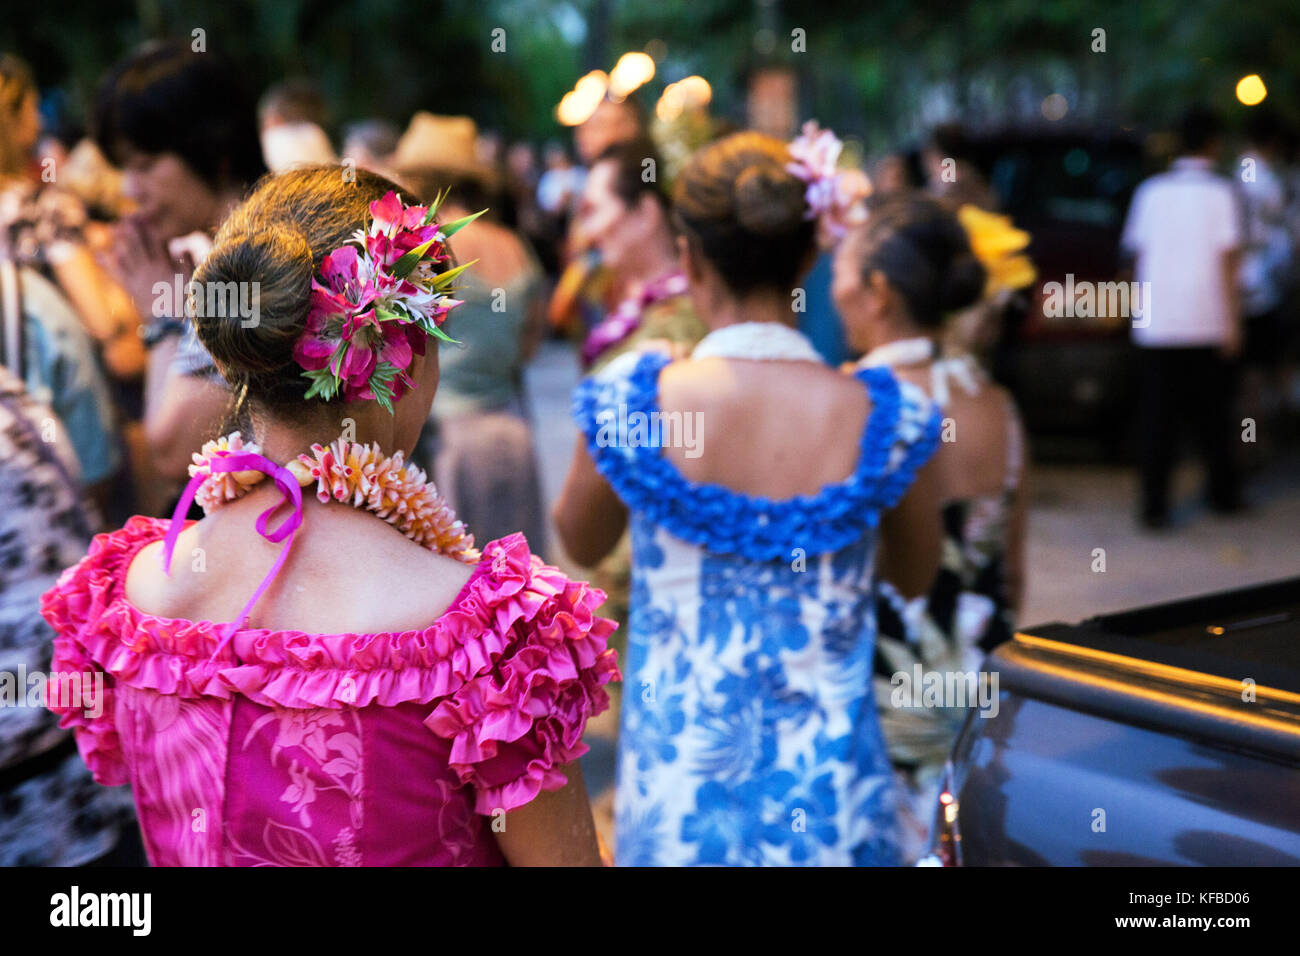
x: 762, y: 489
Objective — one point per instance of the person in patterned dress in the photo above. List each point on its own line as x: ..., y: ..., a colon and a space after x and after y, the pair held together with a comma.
x: 898, y: 279
x: 52, y: 813
x: 761, y: 489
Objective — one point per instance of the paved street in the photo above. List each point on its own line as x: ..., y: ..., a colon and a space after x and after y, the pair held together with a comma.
x: 1074, y: 510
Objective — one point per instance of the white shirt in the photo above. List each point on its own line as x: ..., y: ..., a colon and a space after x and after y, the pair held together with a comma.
x: 1180, y: 225
x: 558, y: 188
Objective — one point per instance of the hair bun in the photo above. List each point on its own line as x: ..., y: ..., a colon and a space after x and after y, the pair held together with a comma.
x: 266, y: 272
x: 963, y: 282
x: 745, y: 213
x: 924, y: 252
x: 769, y: 200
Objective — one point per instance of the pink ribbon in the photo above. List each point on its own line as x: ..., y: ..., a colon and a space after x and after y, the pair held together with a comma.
x: 290, y: 491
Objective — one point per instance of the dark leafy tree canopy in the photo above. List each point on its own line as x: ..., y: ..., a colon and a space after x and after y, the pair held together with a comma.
x: 882, y: 70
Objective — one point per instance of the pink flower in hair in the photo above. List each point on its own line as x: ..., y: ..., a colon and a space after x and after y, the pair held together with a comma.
x: 816, y: 153
x: 834, y: 196
x: 376, y: 302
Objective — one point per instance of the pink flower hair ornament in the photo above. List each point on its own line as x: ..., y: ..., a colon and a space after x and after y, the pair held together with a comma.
x: 834, y: 196
x: 378, y: 299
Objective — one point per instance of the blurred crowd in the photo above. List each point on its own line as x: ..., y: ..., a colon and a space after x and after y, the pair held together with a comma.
x: 100, y: 232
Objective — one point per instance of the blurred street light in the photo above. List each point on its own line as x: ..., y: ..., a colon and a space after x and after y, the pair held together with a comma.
x: 1055, y: 106
x: 690, y: 93
x: 579, y: 103
x: 632, y: 71
x: 1251, y: 90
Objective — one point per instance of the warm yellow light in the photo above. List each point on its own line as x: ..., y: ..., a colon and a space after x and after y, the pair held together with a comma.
x: 695, y: 91
x: 568, y: 111
x: 592, y: 86
x: 580, y: 102
x: 1251, y: 90
x: 690, y: 93
x: 669, y: 106
x: 631, y: 71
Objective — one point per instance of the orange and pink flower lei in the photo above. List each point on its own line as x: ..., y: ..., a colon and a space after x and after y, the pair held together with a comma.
x: 359, y: 475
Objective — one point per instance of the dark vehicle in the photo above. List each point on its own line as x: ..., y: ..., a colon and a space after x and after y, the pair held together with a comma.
x: 1071, y: 369
x: 1168, y: 735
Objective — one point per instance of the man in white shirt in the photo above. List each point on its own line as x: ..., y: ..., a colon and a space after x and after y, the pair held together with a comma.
x: 1184, y: 228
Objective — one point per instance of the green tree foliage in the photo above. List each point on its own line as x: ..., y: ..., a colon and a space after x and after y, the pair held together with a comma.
x: 879, y: 69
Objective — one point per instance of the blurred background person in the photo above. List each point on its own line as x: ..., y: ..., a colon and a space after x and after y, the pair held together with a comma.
x: 52, y: 813
x: 897, y: 172
x: 560, y: 185
x: 1184, y: 229
x: 625, y: 216
x: 291, y: 120
x: 478, y: 443
x: 950, y: 175
x: 184, y: 177
x: 579, y: 299
x: 897, y: 279
x: 78, y: 323
x: 520, y: 181
x: 586, y: 291
x: 43, y: 343
x: 1268, y: 327
x: 611, y: 122
x: 370, y: 143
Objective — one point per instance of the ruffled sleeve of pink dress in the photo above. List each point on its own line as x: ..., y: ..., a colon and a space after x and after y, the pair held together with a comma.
x: 285, y: 748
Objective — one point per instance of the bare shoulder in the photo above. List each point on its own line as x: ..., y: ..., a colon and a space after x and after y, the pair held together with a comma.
x: 168, y: 591
x: 418, y: 584
x: 697, y: 382
x: 991, y: 405
x: 146, y: 585
x: 720, y: 381
x: 346, y: 571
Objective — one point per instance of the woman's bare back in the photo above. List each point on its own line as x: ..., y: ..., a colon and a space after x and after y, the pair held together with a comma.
x: 973, y: 456
x: 347, y: 571
x: 772, y: 429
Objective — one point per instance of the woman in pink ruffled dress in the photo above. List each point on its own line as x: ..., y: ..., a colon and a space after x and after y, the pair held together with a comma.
x: 292, y: 680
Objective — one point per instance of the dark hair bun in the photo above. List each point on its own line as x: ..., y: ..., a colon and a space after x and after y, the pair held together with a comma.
x: 270, y: 269
x: 769, y: 200
x: 265, y: 255
x: 922, y: 250
x: 745, y: 212
x: 962, y: 284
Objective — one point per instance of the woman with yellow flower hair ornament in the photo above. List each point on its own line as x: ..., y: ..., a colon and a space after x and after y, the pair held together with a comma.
x: 999, y: 246
x: 899, y: 280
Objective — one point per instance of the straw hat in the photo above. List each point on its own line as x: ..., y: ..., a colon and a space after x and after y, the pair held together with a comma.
x: 446, y: 144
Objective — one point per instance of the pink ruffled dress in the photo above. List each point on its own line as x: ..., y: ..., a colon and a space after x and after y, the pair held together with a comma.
x: 298, y: 749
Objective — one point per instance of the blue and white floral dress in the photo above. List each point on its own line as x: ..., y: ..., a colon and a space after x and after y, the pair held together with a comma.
x: 749, y: 732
